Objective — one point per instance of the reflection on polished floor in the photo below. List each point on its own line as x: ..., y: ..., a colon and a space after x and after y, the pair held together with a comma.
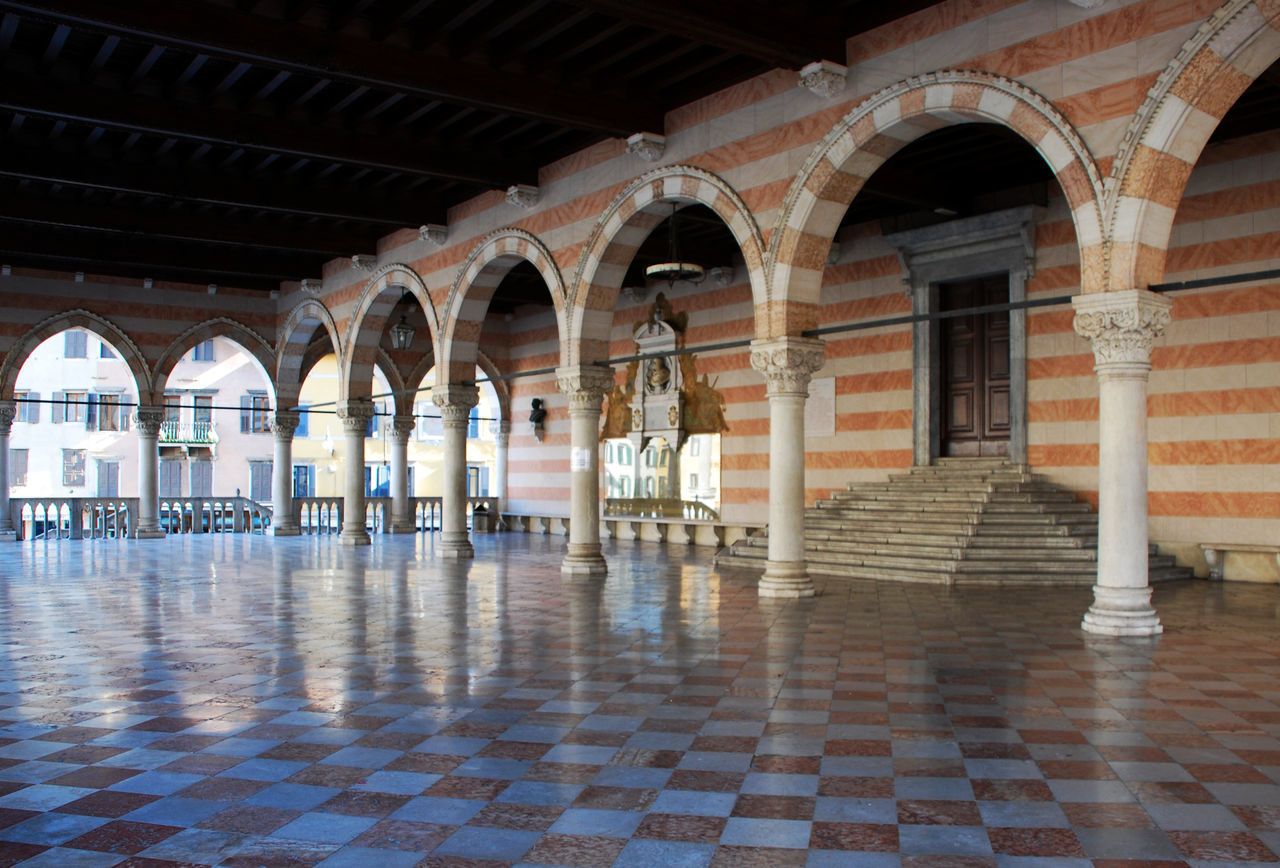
x: 247, y: 701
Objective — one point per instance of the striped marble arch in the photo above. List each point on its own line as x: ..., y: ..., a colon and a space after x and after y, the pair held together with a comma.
x: 618, y: 234
x: 22, y: 348
x: 469, y: 297
x: 1164, y: 140
x: 294, y: 353
x: 874, y: 131
x: 369, y: 322
x: 222, y: 327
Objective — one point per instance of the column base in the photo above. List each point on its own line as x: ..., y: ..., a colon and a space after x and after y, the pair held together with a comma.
x: 1122, y: 612
x: 354, y: 537
x: 584, y: 561
x: 787, y: 579
x: 149, y: 533
x: 285, y: 531
x: 455, y: 545
x: 406, y: 527
x: 8, y: 536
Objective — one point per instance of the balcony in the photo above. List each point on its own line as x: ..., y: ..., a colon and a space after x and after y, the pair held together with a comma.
x: 187, y: 434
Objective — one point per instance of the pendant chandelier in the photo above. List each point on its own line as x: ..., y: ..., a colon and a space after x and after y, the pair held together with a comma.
x: 675, y: 268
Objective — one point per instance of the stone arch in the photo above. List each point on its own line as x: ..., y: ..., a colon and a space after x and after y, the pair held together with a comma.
x: 620, y: 231
x: 294, y: 355
x: 471, y: 292
x: 222, y: 327
x: 500, y: 386
x: 369, y: 322
x: 395, y: 382
x: 89, y: 321
x: 1171, y: 128
x: 883, y: 123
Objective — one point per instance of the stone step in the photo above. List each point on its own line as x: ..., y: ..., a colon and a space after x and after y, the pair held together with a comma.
x: 961, y: 521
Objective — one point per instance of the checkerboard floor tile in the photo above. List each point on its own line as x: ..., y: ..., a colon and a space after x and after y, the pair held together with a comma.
x: 246, y: 701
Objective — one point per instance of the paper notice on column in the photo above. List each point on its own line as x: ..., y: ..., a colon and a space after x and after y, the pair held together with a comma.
x: 579, y: 458
x: 820, y: 408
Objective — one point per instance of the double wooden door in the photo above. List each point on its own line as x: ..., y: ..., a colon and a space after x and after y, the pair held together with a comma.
x: 975, y: 370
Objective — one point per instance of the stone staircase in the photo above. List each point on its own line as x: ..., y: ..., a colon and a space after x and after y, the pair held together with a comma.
x: 963, y: 521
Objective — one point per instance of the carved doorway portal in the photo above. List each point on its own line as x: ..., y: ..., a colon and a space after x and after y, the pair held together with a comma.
x: 975, y: 369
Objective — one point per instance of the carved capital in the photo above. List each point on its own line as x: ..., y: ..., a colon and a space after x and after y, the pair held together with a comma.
x: 522, y: 195
x: 284, y: 423
x: 148, y: 420
x: 787, y: 363
x: 8, y: 412
x: 1121, y: 325
x: 455, y: 403
x: 355, y: 415
x: 433, y: 233
x: 585, y: 386
x: 824, y: 78
x: 647, y: 146
x: 402, y: 427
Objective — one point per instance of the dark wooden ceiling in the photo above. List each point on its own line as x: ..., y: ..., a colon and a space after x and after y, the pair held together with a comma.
x: 246, y: 142
x: 249, y: 141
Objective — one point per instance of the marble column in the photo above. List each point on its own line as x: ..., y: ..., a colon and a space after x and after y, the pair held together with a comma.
x: 1122, y: 326
x: 283, y: 521
x: 502, y: 443
x: 455, y: 403
x: 787, y: 365
x: 8, y: 412
x: 401, y: 515
x: 148, y: 420
x: 585, y: 386
x: 355, y: 416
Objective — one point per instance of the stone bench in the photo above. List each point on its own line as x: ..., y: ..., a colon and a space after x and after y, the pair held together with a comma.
x: 1215, y: 555
x: 543, y: 524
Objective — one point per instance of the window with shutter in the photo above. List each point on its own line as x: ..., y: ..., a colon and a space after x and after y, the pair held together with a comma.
x: 303, y: 422
x: 246, y: 403
x: 18, y: 466
x: 90, y: 412
x: 75, y: 345
x: 77, y: 406
x: 58, y: 410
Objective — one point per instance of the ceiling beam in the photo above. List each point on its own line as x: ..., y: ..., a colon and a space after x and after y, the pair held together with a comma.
x: 43, y: 247
x: 171, y: 224
x: 224, y: 32
x: 202, y: 123
x: 783, y: 39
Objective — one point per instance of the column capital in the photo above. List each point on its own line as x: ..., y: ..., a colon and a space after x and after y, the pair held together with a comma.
x: 455, y: 402
x: 402, y: 427
x: 284, y: 423
x: 355, y: 415
x: 788, y: 363
x: 8, y: 412
x: 148, y: 420
x: 585, y: 385
x: 1121, y: 325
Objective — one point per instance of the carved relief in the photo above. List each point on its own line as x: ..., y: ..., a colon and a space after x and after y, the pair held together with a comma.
x: 1121, y: 326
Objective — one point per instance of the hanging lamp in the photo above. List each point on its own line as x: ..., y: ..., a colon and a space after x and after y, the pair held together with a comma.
x: 402, y: 333
x: 675, y: 268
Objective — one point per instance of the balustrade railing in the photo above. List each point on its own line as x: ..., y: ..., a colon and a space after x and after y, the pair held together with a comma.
x: 72, y: 517
x: 323, y: 515
x: 213, y: 515
x: 653, y: 507
x: 190, y: 433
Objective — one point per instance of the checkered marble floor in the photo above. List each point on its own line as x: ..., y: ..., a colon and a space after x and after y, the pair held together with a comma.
x: 246, y: 701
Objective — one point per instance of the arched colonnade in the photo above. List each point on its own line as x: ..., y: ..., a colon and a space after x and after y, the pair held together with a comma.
x: 1122, y: 223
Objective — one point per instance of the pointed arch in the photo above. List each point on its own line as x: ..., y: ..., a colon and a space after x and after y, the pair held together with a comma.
x: 369, y: 322
x: 620, y: 231
x: 1171, y: 128
x: 468, y: 301
x: 108, y: 331
x: 845, y: 159
x: 500, y: 386
x: 294, y: 353
x: 414, y: 379
x: 221, y: 327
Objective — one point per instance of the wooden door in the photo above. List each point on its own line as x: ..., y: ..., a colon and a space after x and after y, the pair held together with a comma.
x: 975, y: 370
